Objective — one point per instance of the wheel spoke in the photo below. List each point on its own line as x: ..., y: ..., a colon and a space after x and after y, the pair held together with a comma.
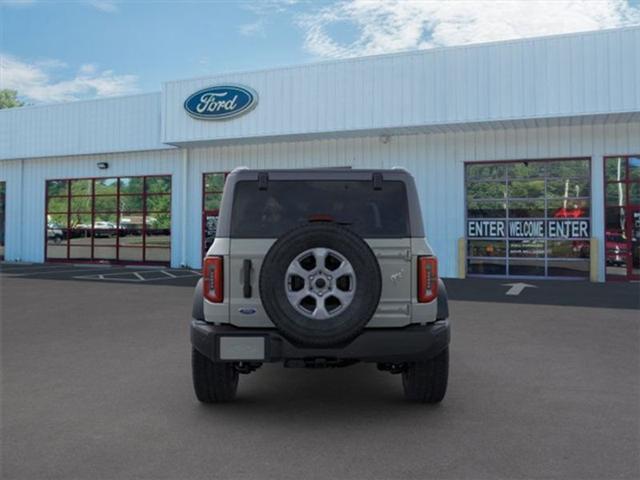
x: 343, y: 269
x: 320, y: 312
x: 320, y: 254
x: 319, y: 283
x: 344, y: 297
x: 296, y: 297
x: 296, y: 269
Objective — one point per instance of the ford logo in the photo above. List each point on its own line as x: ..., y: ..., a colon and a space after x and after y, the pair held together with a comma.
x: 247, y: 310
x: 221, y: 102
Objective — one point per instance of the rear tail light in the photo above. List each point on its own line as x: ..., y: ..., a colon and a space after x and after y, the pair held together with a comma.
x: 213, y: 279
x: 427, y: 279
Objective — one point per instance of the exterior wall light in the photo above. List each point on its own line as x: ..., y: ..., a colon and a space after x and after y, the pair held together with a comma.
x: 103, y: 165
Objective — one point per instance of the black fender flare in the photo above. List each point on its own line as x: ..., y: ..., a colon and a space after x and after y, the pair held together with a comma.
x: 443, y: 301
x: 197, y: 309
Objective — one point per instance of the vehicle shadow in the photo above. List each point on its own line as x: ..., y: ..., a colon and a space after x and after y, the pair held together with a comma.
x: 357, y: 395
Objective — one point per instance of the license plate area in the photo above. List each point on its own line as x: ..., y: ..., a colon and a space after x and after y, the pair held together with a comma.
x: 240, y: 347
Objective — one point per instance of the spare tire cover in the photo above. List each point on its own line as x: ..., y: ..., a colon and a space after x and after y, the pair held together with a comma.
x: 320, y: 284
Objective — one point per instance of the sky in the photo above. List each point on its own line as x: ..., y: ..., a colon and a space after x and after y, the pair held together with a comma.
x: 58, y: 51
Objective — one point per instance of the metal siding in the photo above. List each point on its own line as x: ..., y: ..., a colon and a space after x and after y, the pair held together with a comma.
x: 435, y: 159
x: 120, y: 124
x: 26, y: 203
x: 568, y: 75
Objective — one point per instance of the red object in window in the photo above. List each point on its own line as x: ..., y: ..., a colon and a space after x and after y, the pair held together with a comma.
x: 213, y: 286
x: 569, y: 213
x: 427, y: 279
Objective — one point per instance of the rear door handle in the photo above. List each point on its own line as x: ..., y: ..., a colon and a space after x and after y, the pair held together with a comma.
x: 246, y: 278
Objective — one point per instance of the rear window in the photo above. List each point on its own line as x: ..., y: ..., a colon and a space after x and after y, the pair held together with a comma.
x: 287, y: 204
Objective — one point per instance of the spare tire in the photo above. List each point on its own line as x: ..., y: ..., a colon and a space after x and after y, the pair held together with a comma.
x: 320, y: 284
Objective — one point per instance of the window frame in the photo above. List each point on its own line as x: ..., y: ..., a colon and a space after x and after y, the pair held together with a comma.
x: 144, y: 213
x: 506, y: 178
x: 628, y: 206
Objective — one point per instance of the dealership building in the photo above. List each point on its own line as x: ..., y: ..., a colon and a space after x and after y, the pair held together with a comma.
x: 526, y: 155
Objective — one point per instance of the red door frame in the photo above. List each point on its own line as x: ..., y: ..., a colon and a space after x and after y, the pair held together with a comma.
x: 628, y: 209
x: 92, y: 195
x: 631, y: 209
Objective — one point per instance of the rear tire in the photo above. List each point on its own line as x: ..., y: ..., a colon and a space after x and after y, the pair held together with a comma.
x: 213, y: 382
x: 426, y: 382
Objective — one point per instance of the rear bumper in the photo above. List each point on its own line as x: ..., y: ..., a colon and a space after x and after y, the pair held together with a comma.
x: 384, y: 345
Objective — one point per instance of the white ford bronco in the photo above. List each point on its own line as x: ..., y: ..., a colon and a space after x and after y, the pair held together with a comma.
x: 320, y: 268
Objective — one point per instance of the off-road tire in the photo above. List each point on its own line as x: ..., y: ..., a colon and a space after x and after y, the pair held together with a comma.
x: 343, y: 327
x: 213, y: 382
x: 426, y: 382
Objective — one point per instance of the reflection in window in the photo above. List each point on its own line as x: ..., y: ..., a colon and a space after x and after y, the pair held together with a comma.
x: 486, y: 171
x: 569, y: 188
x: 565, y: 268
x: 526, y: 188
x: 634, y: 193
x: 112, y: 219
x: 486, y: 248
x: 491, y: 266
x: 131, y: 185
x: 526, y: 209
x: 634, y: 168
x: 212, y: 201
x: 486, y: 209
x: 615, y: 169
x: 616, y: 194
x: 106, y: 186
x: 213, y: 186
x: 568, y: 248
x: 527, y: 248
x: 568, y: 169
x: 569, y: 208
x: 530, y: 190
x: 526, y: 268
x: 158, y: 185
x: 81, y: 187
x: 526, y: 169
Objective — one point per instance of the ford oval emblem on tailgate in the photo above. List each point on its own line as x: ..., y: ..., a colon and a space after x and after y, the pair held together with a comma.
x: 247, y: 310
x: 221, y: 102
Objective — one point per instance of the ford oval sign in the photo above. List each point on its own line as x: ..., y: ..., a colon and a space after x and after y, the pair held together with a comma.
x: 221, y: 102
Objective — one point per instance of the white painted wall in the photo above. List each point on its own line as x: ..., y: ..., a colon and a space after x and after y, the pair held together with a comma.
x: 120, y: 124
x: 436, y: 160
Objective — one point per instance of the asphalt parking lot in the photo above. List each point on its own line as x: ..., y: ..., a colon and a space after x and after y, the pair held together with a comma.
x: 96, y: 384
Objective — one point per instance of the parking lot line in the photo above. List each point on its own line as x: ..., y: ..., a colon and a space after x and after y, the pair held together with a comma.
x: 50, y: 271
x: 136, y: 277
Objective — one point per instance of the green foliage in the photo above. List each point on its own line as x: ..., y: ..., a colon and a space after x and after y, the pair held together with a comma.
x: 9, y: 99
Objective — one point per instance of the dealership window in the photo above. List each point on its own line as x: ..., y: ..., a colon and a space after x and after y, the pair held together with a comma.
x: 622, y: 217
x: 3, y: 187
x: 119, y: 219
x: 528, y: 218
x: 212, y: 187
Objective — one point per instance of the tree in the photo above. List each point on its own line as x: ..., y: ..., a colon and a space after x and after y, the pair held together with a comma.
x: 9, y: 99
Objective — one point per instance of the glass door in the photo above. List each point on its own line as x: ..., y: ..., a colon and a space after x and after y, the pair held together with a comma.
x: 212, y: 187
x: 634, y: 244
x: 622, y: 217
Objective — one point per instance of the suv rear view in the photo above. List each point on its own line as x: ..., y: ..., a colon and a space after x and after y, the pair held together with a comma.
x: 320, y: 268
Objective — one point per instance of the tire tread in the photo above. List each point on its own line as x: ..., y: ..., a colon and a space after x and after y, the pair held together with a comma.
x: 426, y: 382
x: 213, y: 382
